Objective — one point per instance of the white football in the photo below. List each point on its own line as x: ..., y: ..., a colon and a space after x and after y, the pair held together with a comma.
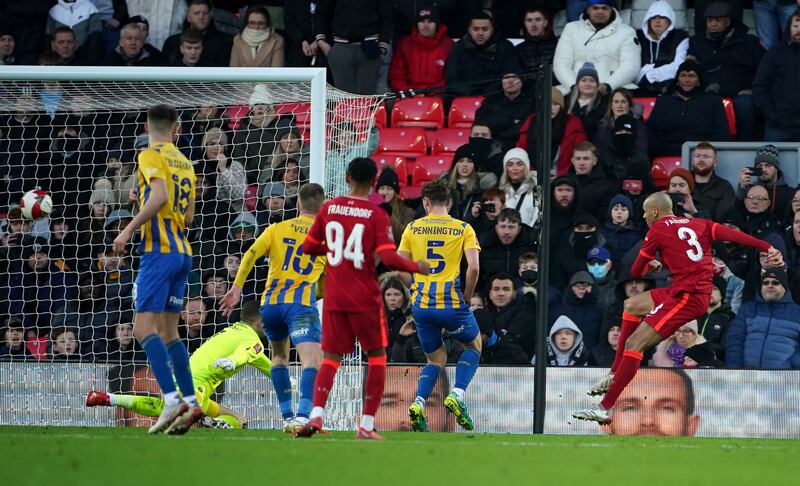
x: 36, y: 204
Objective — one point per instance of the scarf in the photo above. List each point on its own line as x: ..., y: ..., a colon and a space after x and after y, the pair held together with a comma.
x: 676, y: 354
x: 254, y: 38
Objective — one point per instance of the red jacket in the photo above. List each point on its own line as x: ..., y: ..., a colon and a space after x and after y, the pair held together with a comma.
x: 418, y: 62
x: 573, y: 135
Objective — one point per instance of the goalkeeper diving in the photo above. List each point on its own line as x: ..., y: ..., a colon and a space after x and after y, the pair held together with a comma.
x: 222, y: 356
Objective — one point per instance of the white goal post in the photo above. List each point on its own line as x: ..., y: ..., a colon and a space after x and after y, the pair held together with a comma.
x: 255, y: 135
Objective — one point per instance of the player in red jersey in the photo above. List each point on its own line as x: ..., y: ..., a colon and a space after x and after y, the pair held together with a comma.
x: 350, y: 230
x: 684, y: 245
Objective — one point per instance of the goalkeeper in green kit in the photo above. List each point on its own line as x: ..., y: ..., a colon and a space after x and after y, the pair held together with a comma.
x: 222, y: 356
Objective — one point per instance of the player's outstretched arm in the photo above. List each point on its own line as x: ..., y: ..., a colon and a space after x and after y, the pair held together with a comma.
x: 258, y: 249
x: 473, y: 271
x: 720, y: 232
x: 157, y: 198
x: 391, y: 259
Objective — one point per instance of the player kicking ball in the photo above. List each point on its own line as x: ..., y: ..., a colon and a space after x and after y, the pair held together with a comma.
x: 350, y: 230
x: 222, y: 356
x: 437, y: 303
x: 166, y: 194
x: 684, y: 245
x: 288, y: 305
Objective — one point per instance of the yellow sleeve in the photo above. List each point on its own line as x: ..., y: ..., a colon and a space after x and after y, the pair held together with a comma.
x: 263, y: 364
x: 247, y: 353
x: 258, y: 249
x: 470, y: 239
x: 405, y: 240
x: 151, y: 166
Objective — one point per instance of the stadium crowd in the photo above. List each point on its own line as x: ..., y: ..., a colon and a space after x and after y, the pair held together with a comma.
x: 67, y: 296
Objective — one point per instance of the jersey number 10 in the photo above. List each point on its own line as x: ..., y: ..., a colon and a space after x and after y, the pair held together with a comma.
x: 344, y: 247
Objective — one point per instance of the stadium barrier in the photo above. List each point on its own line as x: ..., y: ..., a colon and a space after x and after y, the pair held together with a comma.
x: 660, y: 401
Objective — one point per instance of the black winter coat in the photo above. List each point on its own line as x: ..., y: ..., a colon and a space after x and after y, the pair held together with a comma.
x: 675, y: 120
x: 536, y: 51
x: 505, y: 116
x: 586, y: 313
x: 717, y: 196
x: 513, y: 324
x: 775, y: 87
x: 353, y: 19
x: 216, y: 48
x: 596, y: 190
x: 475, y: 70
x: 731, y: 64
x: 714, y: 327
x: 496, y: 257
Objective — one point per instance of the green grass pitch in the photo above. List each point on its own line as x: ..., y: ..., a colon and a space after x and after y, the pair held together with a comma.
x: 86, y: 456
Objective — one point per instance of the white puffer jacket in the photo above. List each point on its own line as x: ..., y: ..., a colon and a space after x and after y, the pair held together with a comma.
x: 165, y: 16
x: 614, y: 50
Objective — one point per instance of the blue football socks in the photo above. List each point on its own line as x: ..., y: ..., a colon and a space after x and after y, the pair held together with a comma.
x: 427, y: 380
x: 466, y: 368
x: 283, y: 389
x: 180, y: 367
x: 158, y: 357
x: 307, y: 378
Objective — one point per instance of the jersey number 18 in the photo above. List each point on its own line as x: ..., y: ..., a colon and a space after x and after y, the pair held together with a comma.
x: 344, y: 247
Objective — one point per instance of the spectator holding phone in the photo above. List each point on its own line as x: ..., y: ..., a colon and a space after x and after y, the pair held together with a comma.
x: 680, y: 186
x: 766, y: 171
x: 484, y: 213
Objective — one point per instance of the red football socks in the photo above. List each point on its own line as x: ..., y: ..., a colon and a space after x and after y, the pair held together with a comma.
x: 625, y: 372
x: 376, y: 378
x: 629, y: 324
x: 324, y: 381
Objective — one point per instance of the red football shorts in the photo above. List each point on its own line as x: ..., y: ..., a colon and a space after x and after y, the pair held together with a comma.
x: 674, y: 309
x: 341, y: 329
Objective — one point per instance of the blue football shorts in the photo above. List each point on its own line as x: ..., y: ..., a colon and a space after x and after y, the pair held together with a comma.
x: 160, y: 285
x: 458, y: 323
x: 298, y: 322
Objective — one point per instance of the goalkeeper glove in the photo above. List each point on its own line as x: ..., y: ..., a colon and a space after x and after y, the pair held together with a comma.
x: 226, y: 364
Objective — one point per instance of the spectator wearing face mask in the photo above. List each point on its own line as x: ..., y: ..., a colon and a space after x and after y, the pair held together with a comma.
x: 599, y: 265
x: 622, y: 158
x: 571, y: 257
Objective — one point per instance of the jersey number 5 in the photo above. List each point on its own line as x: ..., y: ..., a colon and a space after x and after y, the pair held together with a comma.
x: 344, y: 247
x: 695, y: 254
x: 432, y: 255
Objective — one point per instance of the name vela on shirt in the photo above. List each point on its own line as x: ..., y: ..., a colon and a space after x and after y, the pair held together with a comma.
x: 300, y: 228
x: 436, y: 230
x: 350, y: 211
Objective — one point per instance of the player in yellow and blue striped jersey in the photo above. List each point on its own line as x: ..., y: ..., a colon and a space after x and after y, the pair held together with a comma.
x: 288, y: 304
x: 166, y: 193
x: 437, y: 303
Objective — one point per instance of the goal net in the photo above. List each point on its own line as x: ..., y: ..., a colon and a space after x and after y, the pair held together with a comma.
x: 253, y: 135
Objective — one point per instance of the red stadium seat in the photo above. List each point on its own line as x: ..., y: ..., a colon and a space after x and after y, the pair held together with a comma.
x: 661, y: 168
x: 447, y: 140
x: 410, y: 192
x: 251, y: 197
x: 648, y: 104
x: 462, y: 111
x: 404, y: 171
x: 387, y: 158
x: 300, y: 111
x: 728, y: 104
x: 430, y: 167
x: 420, y: 111
x: 381, y: 118
x: 406, y: 142
x: 235, y: 115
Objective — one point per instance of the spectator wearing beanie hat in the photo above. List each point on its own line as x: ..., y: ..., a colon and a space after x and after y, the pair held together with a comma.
x: 714, y: 324
x: 254, y: 142
x: 586, y: 101
x: 767, y: 159
x: 519, y: 184
x: 686, y: 112
x: 701, y: 356
x: 766, y: 332
x: 565, y: 133
x: 464, y: 183
x: 681, y: 181
x: 388, y: 186
x: 619, y: 228
x: 620, y: 153
x: 419, y: 59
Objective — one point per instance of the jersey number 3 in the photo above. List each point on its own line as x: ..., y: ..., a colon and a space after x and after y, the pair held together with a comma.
x: 695, y: 253
x: 344, y: 247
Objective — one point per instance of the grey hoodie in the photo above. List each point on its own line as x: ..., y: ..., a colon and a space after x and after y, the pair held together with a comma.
x: 565, y: 358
